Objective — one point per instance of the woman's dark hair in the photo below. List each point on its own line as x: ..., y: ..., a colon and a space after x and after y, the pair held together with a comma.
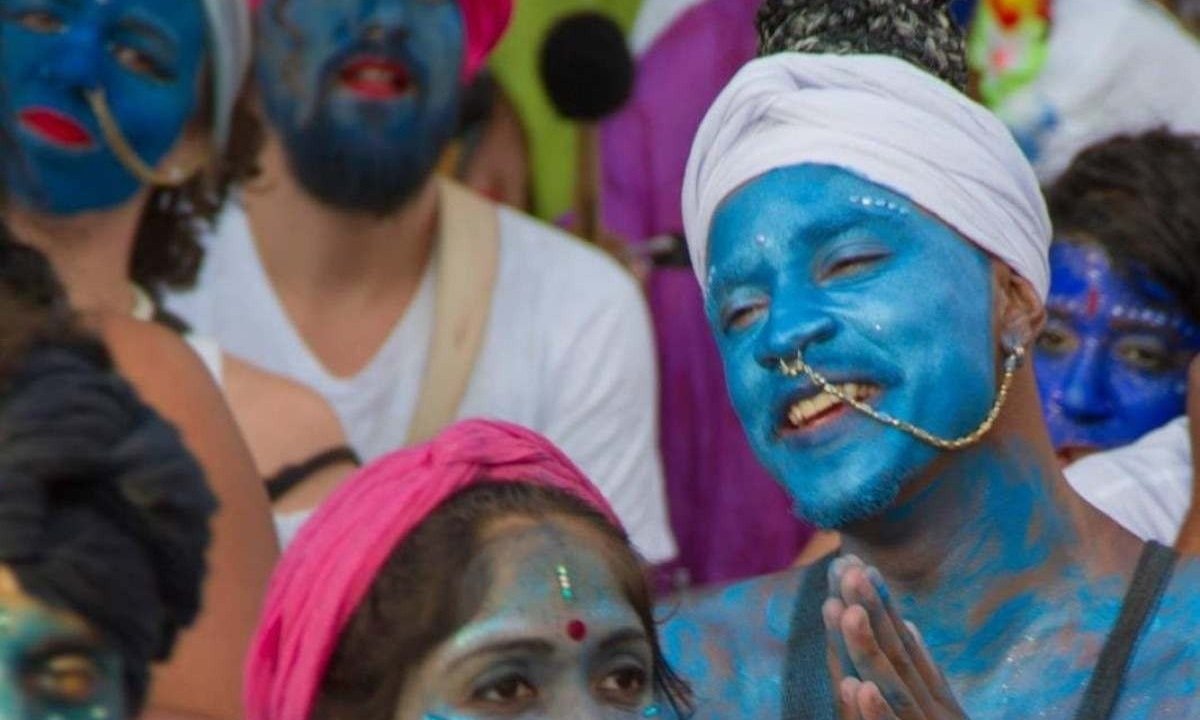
x: 167, y: 251
x: 923, y: 32
x: 1138, y: 197
x: 396, y: 626
x: 103, y: 511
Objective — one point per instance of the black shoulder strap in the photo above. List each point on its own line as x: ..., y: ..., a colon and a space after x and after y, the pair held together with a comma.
x: 1149, y: 581
x: 289, y: 477
x: 807, y: 690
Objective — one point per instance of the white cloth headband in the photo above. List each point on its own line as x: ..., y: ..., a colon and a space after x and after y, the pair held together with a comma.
x: 230, y: 39
x: 885, y: 120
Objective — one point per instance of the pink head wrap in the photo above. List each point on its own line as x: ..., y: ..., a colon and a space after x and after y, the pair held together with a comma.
x: 485, y: 22
x: 328, y: 569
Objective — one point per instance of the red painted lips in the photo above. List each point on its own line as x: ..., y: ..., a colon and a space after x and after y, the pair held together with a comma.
x: 375, y: 78
x: 56, y: 128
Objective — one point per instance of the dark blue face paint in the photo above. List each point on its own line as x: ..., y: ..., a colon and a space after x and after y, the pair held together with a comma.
x: 882, y: 299
x: 1112, y: 361
x: 364, y: 93
x: 148, y: 57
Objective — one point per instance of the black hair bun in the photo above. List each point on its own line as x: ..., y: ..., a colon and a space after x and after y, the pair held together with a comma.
x: 923, y: 32
x: 103, y: 510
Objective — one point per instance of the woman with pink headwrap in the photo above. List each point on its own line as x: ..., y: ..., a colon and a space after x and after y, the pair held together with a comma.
x: 479, y: 575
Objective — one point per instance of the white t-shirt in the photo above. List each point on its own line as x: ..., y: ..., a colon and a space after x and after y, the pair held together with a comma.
x: 1146, y: 486
x: 568, y: 353
x: 1114, y: 67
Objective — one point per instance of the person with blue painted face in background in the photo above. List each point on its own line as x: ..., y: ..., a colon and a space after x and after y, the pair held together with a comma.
x: 104, y: 515
x: 1124, y: 315
x: 1124, y: 305
x: 407, y: 301
x: 873, y: 250
x: 122, y: 128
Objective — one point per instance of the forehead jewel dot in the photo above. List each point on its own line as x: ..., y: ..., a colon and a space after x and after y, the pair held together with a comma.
x: 564, y: 583
x: 651, y: 711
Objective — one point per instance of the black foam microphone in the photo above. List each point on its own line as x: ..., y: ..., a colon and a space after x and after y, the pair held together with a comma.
x: 588, y: 73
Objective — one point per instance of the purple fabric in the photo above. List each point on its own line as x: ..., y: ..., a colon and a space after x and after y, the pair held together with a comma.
x: 730, y: 518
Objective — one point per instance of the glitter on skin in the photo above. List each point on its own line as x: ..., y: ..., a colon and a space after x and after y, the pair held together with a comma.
x: 513, y: 658
x: 1010, y: 613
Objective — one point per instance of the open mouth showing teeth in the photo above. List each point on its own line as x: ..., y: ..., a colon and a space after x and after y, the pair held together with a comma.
x: 823, y: 407
x: 376, y: 79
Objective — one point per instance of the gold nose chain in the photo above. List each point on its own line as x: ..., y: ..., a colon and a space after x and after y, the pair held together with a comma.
x: 798, y: 367
x: 123, y: 149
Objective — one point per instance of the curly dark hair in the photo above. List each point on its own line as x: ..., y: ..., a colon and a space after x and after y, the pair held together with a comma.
x: 1138, y: 197
x: 167, y: 251
x: 923, y: 32
x: 394, y: 628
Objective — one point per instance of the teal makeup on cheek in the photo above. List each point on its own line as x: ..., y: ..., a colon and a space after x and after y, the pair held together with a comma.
x: 364, y: 93
x: 881, y: 298
x: 1112, y: 362
x: 51, y: 672
x: 147, y: 57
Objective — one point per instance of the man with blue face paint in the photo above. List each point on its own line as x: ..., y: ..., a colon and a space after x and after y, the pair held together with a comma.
x: 344, y: 264
x: 872, y: 246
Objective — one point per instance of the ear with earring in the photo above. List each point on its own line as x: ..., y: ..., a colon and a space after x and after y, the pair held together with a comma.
x: 123, y: 149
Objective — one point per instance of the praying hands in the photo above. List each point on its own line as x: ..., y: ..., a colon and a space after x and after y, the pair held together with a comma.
x: 880, y: 667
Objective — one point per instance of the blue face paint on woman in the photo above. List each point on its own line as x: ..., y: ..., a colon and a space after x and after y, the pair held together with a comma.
x: 881, y: 298
x: 52, y: 665
x: 147, y: 56
x: 364, y: 93
x: 1112, y: 361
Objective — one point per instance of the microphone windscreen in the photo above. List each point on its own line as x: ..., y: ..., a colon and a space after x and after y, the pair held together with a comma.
x: 586, y: 67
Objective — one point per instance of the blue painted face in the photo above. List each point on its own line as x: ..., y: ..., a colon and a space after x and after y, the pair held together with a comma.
x: 882, y: 299
x: 147, y: 55
x: 364, y: 93
x: 1112, y: 361
x: 52, y: 665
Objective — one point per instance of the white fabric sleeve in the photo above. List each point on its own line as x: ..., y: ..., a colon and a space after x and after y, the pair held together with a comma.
x: 602, y: 409
x: 1146, y: 487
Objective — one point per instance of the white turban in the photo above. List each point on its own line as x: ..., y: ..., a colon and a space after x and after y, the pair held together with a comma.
x: 886, y: 121
x: 230, y: 40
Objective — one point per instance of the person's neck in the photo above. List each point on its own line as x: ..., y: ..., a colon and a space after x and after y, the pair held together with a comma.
x: 315, y: 251
x: 90, y: 252
x: 991, y: 534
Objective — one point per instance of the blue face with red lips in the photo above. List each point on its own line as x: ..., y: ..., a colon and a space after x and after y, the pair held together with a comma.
x: 147, y: 56
x: 364, y: 93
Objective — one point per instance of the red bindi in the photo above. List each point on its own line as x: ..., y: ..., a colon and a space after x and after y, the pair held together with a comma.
x: 1093, y: 301
x: 577, y: 630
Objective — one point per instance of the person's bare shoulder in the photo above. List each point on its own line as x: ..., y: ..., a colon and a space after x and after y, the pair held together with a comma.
x: 286, y: 423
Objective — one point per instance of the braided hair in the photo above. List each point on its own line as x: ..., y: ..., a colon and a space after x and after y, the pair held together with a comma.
x: 923, y: 32
x: 103, y: 511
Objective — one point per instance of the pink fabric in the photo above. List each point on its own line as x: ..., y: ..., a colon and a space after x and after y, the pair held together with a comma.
x: 328, y: 569
x: 485, y: 22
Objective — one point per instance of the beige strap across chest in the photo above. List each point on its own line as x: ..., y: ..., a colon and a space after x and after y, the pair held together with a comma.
x: 467, y: 256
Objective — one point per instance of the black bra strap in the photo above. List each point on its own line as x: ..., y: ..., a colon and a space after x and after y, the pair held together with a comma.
x: 289, y: 477
x: 1149, y: 581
